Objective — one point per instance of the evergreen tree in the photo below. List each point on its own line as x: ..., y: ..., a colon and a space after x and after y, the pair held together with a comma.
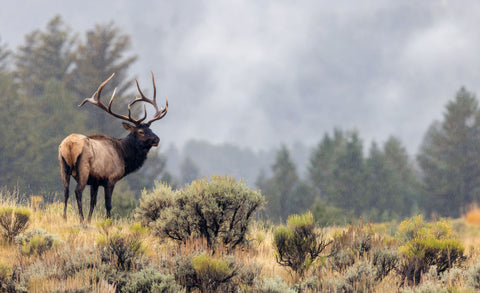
x: 285, y: 193
x: 54, y: 118
x: 101, y: 54
x: 346, y: 187
x: 188, y: 171
x: 450, y: 157
x: 13, y: 142
x: 45, y: 55
x: 391, y: 185
x: 4, y: 57
x: 323, y: 161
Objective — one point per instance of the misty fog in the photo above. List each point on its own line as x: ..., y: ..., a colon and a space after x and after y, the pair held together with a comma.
x: 258, y: 74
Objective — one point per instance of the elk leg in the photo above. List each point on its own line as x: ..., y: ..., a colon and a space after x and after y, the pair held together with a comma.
x: 108, y: 199
x: 93, y: 200
x: 66, y: 195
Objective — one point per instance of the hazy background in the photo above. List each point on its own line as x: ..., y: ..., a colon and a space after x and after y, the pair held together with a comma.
x: 261, y: 73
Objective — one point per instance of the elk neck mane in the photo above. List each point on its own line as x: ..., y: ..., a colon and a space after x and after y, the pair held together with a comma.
x: 131, y: 151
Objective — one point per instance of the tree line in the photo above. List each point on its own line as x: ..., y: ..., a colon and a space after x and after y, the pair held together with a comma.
x: 343, y: 183
x: 43, y: 80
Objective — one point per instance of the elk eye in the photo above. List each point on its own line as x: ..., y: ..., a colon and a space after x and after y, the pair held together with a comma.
x: 140, y: 132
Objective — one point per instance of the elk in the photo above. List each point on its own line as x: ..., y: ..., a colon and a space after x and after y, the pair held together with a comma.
x: 101, y: 160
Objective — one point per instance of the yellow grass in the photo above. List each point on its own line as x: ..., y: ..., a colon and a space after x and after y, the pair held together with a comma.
x: 164, y: 252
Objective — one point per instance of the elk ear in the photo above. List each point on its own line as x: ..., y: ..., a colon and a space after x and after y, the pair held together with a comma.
x: 128, y: 127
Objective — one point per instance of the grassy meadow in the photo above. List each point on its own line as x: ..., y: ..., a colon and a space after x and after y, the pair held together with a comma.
x: 57, y: 255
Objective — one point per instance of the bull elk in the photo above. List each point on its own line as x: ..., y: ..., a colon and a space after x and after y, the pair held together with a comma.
x: 101, y: 160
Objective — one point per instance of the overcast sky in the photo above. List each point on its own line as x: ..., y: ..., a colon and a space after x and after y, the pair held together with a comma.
x: 261, y: 73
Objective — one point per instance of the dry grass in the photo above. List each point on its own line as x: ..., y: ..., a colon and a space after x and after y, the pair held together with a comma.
x: 163, y: 253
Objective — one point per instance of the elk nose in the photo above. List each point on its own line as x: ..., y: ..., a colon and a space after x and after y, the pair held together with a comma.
x: 155, y: 141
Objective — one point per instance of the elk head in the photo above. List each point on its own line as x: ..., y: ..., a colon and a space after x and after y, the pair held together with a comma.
x: 139, y: 130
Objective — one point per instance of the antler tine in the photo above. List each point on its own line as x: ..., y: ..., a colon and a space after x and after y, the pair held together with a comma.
x: 97, y: 102
x: 97, y: 94
x: 159, y: 113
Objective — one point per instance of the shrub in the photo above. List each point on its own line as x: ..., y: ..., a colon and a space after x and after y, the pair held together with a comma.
x: 219, y: 210
x: 298, y: 245
x: 212, y: 272
x: 473, y: 277
x: 150, y: 280
x: 13, y: 221
x: 360, y: 277
x: 384, y: 260
x: 426, y: 245
x: 6, y: 283
x: 36, y: 242
x: 206, y: 272
x: 153, y: 203
x: 123, y: 251
x: 357, y: 241
x: 276, y: 285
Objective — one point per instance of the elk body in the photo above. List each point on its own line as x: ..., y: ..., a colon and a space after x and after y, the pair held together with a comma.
x: 100, y: 160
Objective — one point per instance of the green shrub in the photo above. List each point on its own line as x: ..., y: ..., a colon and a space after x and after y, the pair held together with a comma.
x: 13, y: 221
x: 473, y: 277
x: 36, y: 242
x: 360, y: 277
x: 219, y: 210
x: 212, y: 272
x: 150, y: 280
x: 426, y: 245
x: 384, y: 261
x: 298, y: 244
x: 5, y: 278
x: 206, y: 272
x: 153, y: 203
x: 124, y: 252
x: 185, y: 274
x: 357, y: 241
x: 276, y: 285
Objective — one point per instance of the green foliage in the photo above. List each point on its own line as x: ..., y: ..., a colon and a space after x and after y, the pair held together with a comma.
x: 276, y: 285
x: 348, y: 245
x: 153, y: 203
x: 219, y: 210
x: 150, y: 280
x: 36, y: 242
x: 285, y: 193
x: 449, y: 157
x: 45, y: 55
x: 426, y: 245
x: 206, y: 272
x: 103, y: 52
x: 13, y: 221
x: 123, y: 252
x: 473, y: 277
x: 356, y: 250
x: 379, y: 187
x: 360, y: 277
x: 5, y: 278
x: 212, y: 272
x: 328, y: 215
x: 298, y: 245
x: 189, y: 171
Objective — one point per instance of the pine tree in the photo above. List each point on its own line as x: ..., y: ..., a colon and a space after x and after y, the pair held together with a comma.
x: 101, y: 54
x: 45, y: 55
x: 346, y: 187
x: 450, y: 158
x: 285, y: 192
x: 391, y: 185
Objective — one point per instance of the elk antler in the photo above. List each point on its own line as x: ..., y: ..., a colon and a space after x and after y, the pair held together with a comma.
x: 159, y: 113
x: 97, y: 102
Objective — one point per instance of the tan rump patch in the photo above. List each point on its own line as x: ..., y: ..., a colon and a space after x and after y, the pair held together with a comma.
x: 71, y: 147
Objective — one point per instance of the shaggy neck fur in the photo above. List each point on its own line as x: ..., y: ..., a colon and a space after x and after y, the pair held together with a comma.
x: 134, y: 152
